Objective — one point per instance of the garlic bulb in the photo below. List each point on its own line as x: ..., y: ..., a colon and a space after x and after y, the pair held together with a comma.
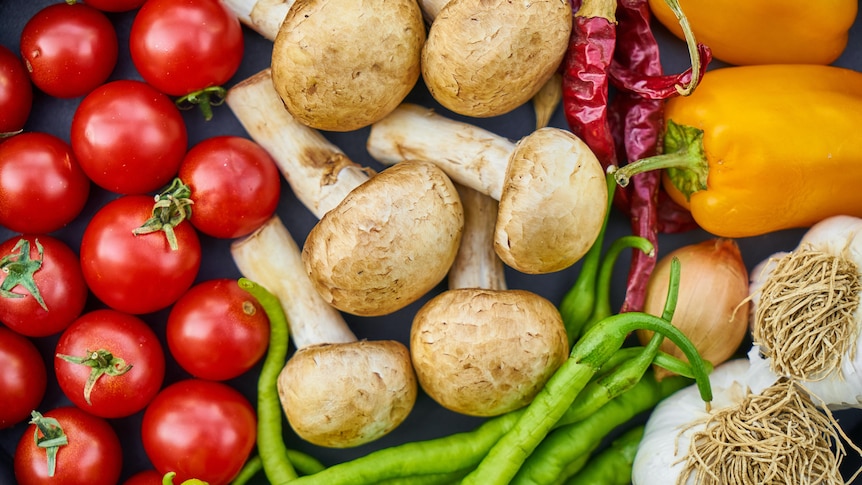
x: 761, y: 429
x: 805, y: 312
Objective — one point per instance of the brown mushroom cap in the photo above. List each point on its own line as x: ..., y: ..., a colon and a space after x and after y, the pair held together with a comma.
x: 348, y: 394
x: 340, y: 65
x: 486, y: 58
x: 486, y: 352
x: 388, y: 243
x: 553, y: 202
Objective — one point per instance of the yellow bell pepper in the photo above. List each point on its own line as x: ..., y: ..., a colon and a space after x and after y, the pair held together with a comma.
x: 766, y: 31
x: 756, y: 149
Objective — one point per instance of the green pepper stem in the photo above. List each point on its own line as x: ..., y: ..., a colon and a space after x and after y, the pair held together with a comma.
x: 684, y: 160
x: 691, y: 43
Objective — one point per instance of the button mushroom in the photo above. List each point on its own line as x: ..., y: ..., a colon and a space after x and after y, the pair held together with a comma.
x: 479, y: 348
x: 382, y: 242
x: 335, y: 391
x: 485, y: 58
x: 340, y: 65
x: 550, y: 186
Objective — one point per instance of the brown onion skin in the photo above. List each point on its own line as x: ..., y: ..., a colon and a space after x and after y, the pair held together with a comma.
x: 712, y: 308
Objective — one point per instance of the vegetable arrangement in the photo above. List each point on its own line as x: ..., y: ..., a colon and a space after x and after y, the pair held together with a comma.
x: 160, y: 223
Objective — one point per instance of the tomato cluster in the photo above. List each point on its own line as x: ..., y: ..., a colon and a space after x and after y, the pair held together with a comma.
x: 103, y: 224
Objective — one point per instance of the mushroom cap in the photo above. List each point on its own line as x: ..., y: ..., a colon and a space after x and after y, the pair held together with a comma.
x: 486, y: 352
x: 553, y: 203
x: 486, y: 58
x: 388, y: 243
x: 340, y: 65
x: 347, y: 394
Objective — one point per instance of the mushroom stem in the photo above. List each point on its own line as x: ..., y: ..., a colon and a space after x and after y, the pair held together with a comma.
x: 271, y: 258
x: 318, y: 172
x: 335, y: 390
x: 262, y: 16
x: 472, y: 156
x: 477, y: 264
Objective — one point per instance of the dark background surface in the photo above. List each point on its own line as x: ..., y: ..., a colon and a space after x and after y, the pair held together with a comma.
x: 428, y: 420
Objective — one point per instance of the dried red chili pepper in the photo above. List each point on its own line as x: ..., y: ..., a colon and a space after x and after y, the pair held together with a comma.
x: 585, y: 77
x: 636, y: 121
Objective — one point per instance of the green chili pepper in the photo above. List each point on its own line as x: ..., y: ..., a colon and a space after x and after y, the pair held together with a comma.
x: 270, y: 442
x: 613, y: 466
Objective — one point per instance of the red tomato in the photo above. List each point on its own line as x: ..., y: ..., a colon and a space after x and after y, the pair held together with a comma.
x: 69, y: 49
x: 115, y: 5
x: 145, y: 477
x: 183, y: 46
x: 235, y: 185
x: 92, y: 455
x: 42, y: 186
x: 16, y: 92
x: 213, y: 320
x: 122, y: 352
x: 199, y: 429
x: 23, y: 378
x: 128, y: 137
x: 137, y: 273
x: 58, y: 280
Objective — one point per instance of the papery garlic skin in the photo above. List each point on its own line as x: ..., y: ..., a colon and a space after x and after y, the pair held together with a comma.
x: 668, y: 431
x: 841, y: 388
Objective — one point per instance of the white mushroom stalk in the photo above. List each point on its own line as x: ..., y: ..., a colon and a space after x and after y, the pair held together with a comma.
x: 262, y: 16
x: 805, y: 313
x: 335, y: 391
x: 761, y: 429
x: 481, y: 349
x: 551, y: 188
x: 382, y: 242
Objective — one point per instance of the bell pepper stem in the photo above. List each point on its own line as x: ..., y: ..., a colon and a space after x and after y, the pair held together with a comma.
x: 684, y: 160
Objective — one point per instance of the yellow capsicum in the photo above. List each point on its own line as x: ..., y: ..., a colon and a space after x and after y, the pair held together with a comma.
x: 766, y: 31
x: 756, y: 149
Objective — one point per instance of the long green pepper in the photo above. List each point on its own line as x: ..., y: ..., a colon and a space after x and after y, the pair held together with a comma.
x: 613, y: 466
x: 270, y: 442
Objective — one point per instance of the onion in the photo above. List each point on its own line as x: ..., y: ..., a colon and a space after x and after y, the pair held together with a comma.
x: 805, y: 312
x: 762, y: 429
x: 713, y: 307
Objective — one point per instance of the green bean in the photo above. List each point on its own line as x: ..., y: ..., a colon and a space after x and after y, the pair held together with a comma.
x: 304, y: 463
x: 560, y: 391
x: 270, y: 442
x: 578, y: 303
x: 429, y: 479
x: 613, y: 466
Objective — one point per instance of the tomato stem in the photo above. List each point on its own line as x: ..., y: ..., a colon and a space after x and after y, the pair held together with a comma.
x: 172, y: 207
x: 52, y: 438
x: 101, y: 362
x: 21, y: 270
x: 205, y: 99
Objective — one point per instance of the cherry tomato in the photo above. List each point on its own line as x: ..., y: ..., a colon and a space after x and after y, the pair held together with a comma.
x: 217, y: 330
x: 69, y: 49
x: 199, y: 429
x: 109, y: 363
x: 145, y: 477
x: 92, y: 454
x: 185, y: 46
x: 235, y: 185
x: 16, y: 93
x: 137, y: 273
x: 34, y: 268
x: 128, y: 137
x: 42, y: 186
x: 23, y: 378
x: 115, y: 5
